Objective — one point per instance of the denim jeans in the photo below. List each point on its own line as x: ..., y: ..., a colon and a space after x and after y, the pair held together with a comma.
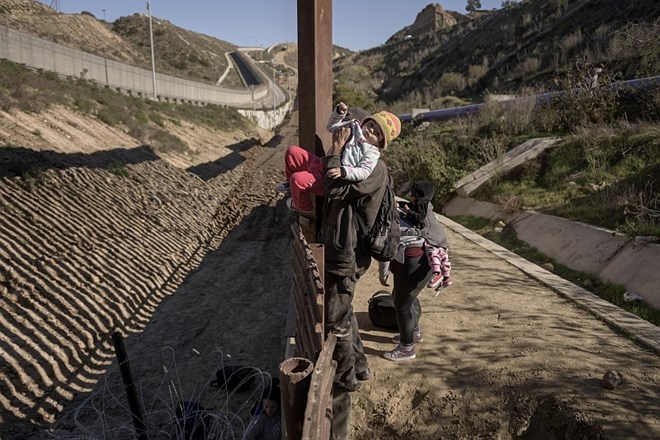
x: 409, y: 279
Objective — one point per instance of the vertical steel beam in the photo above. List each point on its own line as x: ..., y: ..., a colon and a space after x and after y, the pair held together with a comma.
x: 315, y: 84
x: 129, y: 387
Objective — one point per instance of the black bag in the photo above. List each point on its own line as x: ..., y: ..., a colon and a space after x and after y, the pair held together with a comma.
x: 381, y: 310
x: 193, y: 422
x: 234, y: 377
x: 383, y: 238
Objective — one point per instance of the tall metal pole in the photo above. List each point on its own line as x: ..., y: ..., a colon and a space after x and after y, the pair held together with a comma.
x: 153, y: 62
x: 129, y: 387
x: 273, y: 91
x: 314, y: 90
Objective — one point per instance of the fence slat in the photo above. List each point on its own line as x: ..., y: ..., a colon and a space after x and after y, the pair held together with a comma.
x: 318, y: 414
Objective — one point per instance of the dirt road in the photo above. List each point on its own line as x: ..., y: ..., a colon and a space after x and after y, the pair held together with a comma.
x: 193, y: 267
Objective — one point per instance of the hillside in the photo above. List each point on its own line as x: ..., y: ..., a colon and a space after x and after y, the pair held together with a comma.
x: 529, y: 44
x: 180, y: 52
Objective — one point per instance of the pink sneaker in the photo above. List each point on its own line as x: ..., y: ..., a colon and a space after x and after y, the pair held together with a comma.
x: 446, y: 282
x: 435, y: 280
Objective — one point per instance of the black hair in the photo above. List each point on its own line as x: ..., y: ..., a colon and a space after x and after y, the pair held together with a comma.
x: 272, y: 393
x: 423, y: 192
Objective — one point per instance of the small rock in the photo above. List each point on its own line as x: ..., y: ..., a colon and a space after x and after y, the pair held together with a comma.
x: 500, y: 224
x: 611, y: 379
x: 548, y: 266
x: 587, y: 284
x: 631, y: 296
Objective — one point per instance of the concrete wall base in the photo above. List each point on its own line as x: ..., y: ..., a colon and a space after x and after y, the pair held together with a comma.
x: 610, y: 256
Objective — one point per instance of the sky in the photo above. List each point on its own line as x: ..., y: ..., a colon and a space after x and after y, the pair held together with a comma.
x: 357, y: 24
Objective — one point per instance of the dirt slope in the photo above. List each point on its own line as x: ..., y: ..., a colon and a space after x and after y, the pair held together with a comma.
x: 92, y: 242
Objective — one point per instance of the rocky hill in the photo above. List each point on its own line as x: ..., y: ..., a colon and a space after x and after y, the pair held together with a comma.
x: 528, y: 44
x: 80, y: 31
x: 432, y: 19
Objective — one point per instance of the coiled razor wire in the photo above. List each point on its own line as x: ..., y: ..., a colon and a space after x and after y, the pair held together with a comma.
x: 206, y: 412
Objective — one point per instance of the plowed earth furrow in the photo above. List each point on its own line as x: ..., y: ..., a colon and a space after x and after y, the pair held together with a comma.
x: 85, y: 252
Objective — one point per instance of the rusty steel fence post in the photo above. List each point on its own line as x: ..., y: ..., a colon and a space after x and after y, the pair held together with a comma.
x: 295, y: 377
x: 308, y: 294
x: 314, y: 88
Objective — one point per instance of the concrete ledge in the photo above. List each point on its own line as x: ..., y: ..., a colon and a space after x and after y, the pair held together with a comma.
x: 528, y: 150
x: 637, y: 267
x: 610, y: 256
x: 573, y: 244
x: 642, y: 331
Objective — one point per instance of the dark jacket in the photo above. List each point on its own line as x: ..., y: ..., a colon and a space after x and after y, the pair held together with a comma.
x: 343, y: 256
x: 421, y: 215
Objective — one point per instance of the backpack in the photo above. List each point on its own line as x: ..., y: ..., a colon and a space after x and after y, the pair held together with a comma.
x: 382, y: 313
x: 193, y: 422
x: 234, y: 377
x: 382, y: 240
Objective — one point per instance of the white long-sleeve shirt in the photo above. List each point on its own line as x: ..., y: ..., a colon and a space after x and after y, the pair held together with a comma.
x: 359, y: 157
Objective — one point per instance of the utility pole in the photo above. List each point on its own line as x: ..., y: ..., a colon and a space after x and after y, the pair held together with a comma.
x: 153, y: 62
x: 315, y: 97
x: 272, y: 84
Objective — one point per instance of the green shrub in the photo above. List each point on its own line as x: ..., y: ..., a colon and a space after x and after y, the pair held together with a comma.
x: 352, y: 98
x: 166, y: 142
x: 84, y: 105
x: 451, y: 83
x: 109, y: 116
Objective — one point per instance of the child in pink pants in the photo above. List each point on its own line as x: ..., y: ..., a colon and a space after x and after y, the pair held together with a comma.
x: 304, y: 170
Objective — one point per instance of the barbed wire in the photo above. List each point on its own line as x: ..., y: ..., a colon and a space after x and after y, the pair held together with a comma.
x: 173, y: 406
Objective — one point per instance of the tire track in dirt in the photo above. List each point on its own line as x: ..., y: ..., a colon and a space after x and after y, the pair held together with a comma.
x: 85, y: 251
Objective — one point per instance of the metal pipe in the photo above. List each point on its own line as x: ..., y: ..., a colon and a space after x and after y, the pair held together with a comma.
x: 544, y: 98
x: 129, y: 386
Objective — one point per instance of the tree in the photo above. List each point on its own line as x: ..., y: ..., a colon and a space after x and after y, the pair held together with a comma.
x: 473, y: 5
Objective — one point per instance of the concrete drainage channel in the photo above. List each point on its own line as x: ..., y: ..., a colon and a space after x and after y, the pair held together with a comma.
x: 611, y: 257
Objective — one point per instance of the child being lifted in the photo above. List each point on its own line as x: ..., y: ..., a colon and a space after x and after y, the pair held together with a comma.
x: 304, y: 170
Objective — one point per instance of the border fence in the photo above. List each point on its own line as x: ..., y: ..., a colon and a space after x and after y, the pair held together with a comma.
x: 307, y: 380
x: 38, y: 53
